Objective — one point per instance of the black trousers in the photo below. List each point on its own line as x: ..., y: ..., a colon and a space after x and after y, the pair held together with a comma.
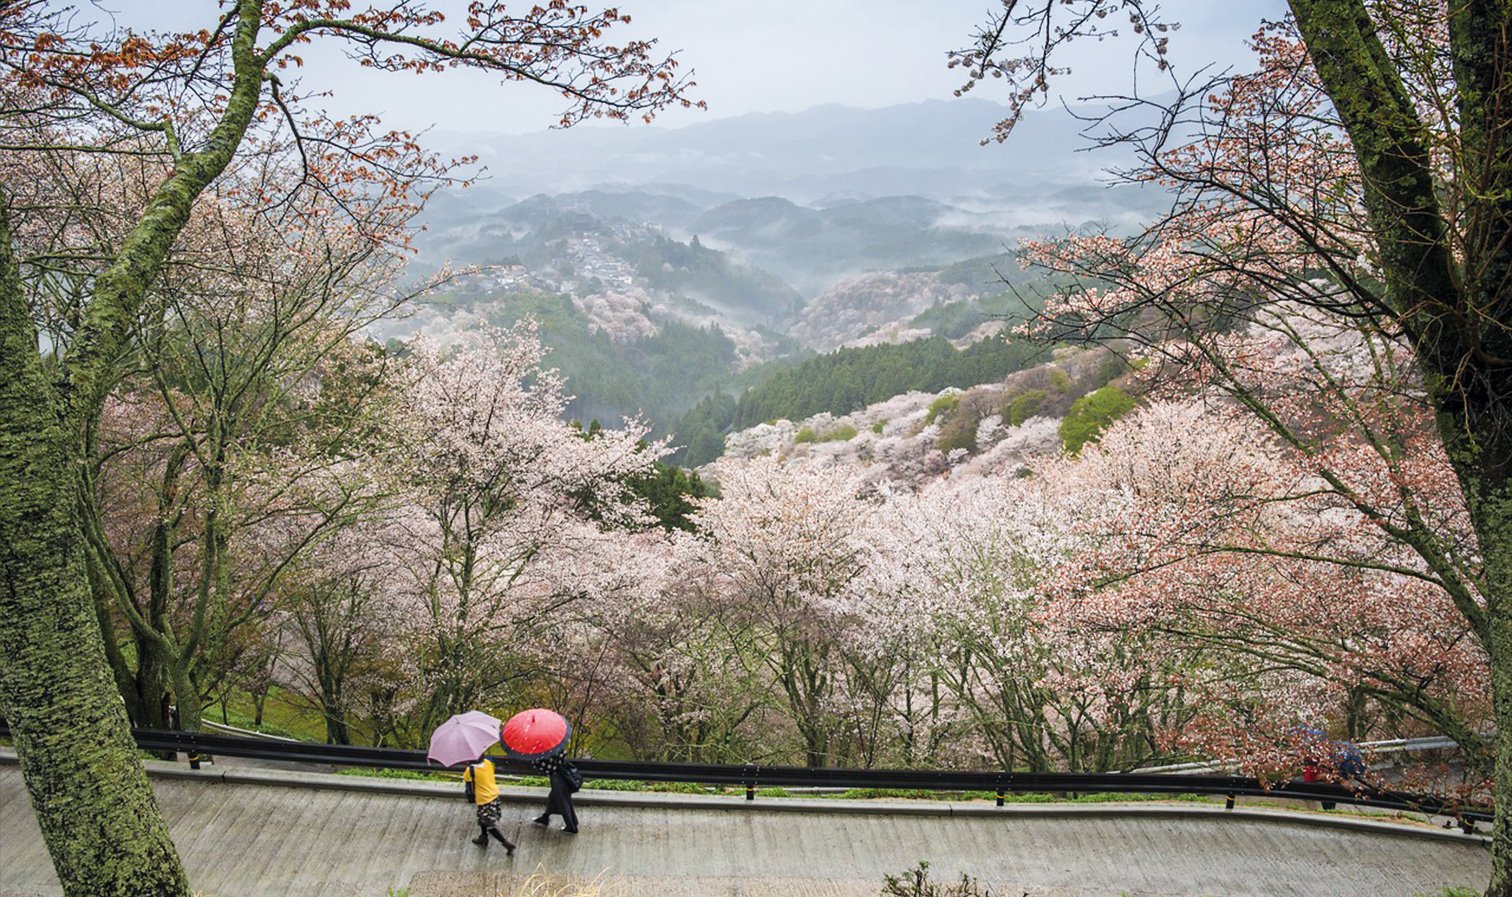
x: 559, y: 802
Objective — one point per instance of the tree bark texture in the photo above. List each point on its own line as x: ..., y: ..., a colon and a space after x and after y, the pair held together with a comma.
x: 1493, y: 513
x: 96, y: 810
x: 1454, y: 303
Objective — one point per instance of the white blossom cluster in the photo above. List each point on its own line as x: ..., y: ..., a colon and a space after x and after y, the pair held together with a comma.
x: 624, y: 316
x: 893, y: 435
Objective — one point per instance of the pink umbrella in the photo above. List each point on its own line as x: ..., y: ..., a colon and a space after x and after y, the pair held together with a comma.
x: 463, y: 738
x: 532, y: 734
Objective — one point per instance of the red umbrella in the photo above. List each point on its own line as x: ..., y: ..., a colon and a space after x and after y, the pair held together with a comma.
x: 533, y: 734
x: 463, y: 738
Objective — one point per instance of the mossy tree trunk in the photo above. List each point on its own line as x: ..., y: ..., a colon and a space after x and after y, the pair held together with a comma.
x: 1491, y: 509
x: 96, y: 810
x: 1447, y: 284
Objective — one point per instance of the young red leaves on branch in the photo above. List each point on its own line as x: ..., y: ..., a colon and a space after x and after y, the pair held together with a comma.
x: 172, y: 95
x: 558, y: 45
x: 1037, y: 29
x: 1302, y: 609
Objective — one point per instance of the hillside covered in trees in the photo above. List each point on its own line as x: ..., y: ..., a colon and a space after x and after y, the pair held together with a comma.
x: 654, y: 372
x: 844, y: 381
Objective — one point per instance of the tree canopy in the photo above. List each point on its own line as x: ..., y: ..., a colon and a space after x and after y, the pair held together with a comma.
x: 1352, y: 191
x: 115, y: 142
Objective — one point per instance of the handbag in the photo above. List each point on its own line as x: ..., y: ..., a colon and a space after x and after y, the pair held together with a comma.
x: 572, y: 775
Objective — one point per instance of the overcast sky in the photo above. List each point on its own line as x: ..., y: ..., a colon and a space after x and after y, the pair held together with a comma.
x: 753, y: 56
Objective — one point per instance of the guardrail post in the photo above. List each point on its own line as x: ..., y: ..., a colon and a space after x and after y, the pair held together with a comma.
x: 1228, y: 803
x: 999, y: 781
x: 750, y: 782
x: 194, y: 760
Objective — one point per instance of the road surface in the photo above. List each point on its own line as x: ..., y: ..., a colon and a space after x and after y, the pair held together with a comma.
x: 250, y: 833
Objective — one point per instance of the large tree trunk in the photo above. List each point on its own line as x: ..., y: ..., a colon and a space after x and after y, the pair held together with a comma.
x: 1475, y: 422
x: 1495, y: 533
x: 1453, y: 300
x: 98, y: 815
x: 1476, y: 425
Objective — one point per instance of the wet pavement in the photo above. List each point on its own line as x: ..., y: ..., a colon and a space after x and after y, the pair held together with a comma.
x: 249, y: 832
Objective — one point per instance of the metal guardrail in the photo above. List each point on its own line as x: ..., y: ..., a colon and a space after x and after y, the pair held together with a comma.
x: 752, y: 776
x: 247, y: 733
x: 1367, y: 748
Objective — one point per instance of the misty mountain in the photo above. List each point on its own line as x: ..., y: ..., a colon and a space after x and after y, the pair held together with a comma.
x: 810, y: 248
x: 813, y: 246
x: 670, y: 207
x: 665, y: 264
x: 811, y: 197
x: 600, y: 243
x: 931, y: 149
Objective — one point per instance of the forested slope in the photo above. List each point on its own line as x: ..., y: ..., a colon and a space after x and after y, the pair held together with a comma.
x: 844, y: 381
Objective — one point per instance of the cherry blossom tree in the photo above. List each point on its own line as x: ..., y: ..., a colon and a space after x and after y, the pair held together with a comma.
x: 510, y: 512
x: 335, y: 607
x: 895, y: 651
x: 1221, y: 542
x: 679, y: 689
x: 1362, y: 173
x: 1345, y: 396
x: 982, y: 557
x: 193, y: 105
x: 255, y: 386
x: 786, y: 543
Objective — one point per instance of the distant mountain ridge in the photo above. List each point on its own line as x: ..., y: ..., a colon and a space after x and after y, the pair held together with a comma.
x: 809, y: 247
x: 812, y: 197
x: 931, y: 149
x: 666, y: 265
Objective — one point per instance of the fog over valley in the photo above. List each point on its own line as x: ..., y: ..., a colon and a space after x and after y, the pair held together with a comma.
x: 781, y: 234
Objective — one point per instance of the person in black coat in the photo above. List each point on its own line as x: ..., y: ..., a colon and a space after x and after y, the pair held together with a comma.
x: 565, y: 779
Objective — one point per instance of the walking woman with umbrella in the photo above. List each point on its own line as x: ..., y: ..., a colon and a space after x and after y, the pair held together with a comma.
x: 465, y: 738
x: 539, y: 737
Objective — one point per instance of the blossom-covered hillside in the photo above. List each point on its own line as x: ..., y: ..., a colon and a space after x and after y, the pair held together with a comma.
x: 917, y: 436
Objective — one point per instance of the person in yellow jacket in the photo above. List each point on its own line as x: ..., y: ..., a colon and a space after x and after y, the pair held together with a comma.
x: 478, y: 783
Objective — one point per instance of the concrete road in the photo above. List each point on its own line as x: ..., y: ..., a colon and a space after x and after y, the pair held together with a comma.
x: 248, y: 833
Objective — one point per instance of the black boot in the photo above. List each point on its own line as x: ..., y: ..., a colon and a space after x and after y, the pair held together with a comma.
x: 542, y: 820
x: 482, y: 839
x: 494, y: 830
